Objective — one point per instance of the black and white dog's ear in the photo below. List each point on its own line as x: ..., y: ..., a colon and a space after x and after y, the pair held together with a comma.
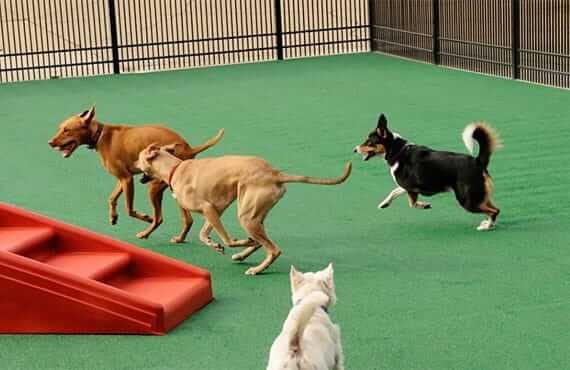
x: 382, y: 122
x: 382, y: 127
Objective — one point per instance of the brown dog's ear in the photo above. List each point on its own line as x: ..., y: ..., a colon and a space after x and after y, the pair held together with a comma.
x: 170, y: 148
x: 88, y: 116
x: 382, y: 127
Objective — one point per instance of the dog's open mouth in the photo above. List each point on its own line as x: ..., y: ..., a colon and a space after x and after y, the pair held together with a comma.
x: 365, y: 155
x: 67, y: 149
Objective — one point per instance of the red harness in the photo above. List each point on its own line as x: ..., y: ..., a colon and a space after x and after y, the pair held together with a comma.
x: 172, y: 175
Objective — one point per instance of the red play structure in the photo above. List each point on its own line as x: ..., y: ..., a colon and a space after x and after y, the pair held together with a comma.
x: 58, y: 278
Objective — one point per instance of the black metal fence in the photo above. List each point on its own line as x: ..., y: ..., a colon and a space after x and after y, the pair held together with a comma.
x: 42, y: 39
x: 522, y: 39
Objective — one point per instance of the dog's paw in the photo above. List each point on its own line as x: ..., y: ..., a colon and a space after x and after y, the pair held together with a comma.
x: 113, y: 219
x: 486, y: 225
x: 423, y: 205
x: 219, y: 249
x: 142, y: 235
x: 237, y: 257
x: 252, y: 271
x: 177, y: 240
x: 383, y: 205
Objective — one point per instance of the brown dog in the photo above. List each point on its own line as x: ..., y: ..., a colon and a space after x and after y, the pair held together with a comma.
x: 119, y: 147
x: 208, y: 186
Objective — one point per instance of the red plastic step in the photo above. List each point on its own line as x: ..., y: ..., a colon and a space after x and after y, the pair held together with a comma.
x: 172, y: 293
x: 91, y: 265
x: 59, y: 278
x: 22, y: 239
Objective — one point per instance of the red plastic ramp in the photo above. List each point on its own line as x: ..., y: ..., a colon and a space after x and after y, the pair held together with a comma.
x: 59, y: 278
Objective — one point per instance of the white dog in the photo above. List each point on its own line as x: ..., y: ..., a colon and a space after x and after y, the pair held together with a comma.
x: 309, y: 340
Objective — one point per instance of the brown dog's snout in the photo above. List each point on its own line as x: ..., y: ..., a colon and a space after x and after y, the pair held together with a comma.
x: 51, y: 143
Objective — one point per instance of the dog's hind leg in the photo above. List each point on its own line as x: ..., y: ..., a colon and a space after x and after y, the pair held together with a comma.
x: 257, y: 231
x: 492, y: 213
x: 397, y: 192
x: 414, y: 203
x: 129, y: 190
x: 253, y: 206
x: 113, y: 216
x: 187, y: 224
x: 155, y: 192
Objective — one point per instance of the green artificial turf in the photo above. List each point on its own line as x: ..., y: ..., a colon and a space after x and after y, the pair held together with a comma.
x: 416, y: 289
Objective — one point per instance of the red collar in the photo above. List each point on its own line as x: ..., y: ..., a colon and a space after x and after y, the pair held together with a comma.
x: 172, y: 175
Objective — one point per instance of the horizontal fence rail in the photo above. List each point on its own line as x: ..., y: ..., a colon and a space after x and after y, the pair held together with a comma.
x: 523, y: 39
x: 43, y: 39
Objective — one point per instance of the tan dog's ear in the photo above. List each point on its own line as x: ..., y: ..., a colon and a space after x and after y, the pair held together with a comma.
x: 170, y: 148
x: 87, y: 116
x: 151, y: 151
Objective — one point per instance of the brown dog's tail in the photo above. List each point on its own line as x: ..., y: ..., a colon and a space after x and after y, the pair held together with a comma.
x: 313, y: 180
x: 208, y: 144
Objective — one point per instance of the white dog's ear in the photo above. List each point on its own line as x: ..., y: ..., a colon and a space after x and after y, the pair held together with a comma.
x: 329, y: 276
x: 296, y: 277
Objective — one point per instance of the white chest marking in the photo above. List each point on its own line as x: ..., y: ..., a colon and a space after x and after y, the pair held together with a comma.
x: 393, y: 169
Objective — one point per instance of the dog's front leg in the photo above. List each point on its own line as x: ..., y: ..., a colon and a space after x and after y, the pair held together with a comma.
x: 129, y: 190
x: 155, y: 191
x: 188, y: 221
x: 393, y: 195
x: 113, y: 216
x: 414, y: 203
x: 207, y: 240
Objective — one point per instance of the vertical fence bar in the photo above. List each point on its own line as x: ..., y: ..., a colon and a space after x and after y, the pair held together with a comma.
x: 114, y: 42
x: 371, y: 13
x: 435, y: 31
x: 515, y: 34
x: 278, y: 29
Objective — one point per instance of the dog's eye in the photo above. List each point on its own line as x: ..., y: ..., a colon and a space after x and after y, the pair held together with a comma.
x: 66, y: 130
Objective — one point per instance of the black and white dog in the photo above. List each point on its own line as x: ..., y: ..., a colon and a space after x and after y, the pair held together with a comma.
x: 419, y: 170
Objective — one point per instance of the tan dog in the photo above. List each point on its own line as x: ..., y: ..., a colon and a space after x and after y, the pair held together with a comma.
x: 118, y: 147
x: 208, y: 186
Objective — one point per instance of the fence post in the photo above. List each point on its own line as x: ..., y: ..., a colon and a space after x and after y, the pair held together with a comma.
x: 114, y: 42
x: 278, y: 29
x: 371, y: 16
x: 435, y: 31
x: 515, y: 34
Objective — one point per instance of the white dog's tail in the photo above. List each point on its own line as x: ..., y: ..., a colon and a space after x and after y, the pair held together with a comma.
x: 300, y: 316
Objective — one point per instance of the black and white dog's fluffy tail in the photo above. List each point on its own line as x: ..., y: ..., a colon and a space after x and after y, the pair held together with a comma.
x: 487, y: 138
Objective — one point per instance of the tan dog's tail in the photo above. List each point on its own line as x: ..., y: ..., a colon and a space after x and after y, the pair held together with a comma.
x: 208, y: 144
x: 317, y: 181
